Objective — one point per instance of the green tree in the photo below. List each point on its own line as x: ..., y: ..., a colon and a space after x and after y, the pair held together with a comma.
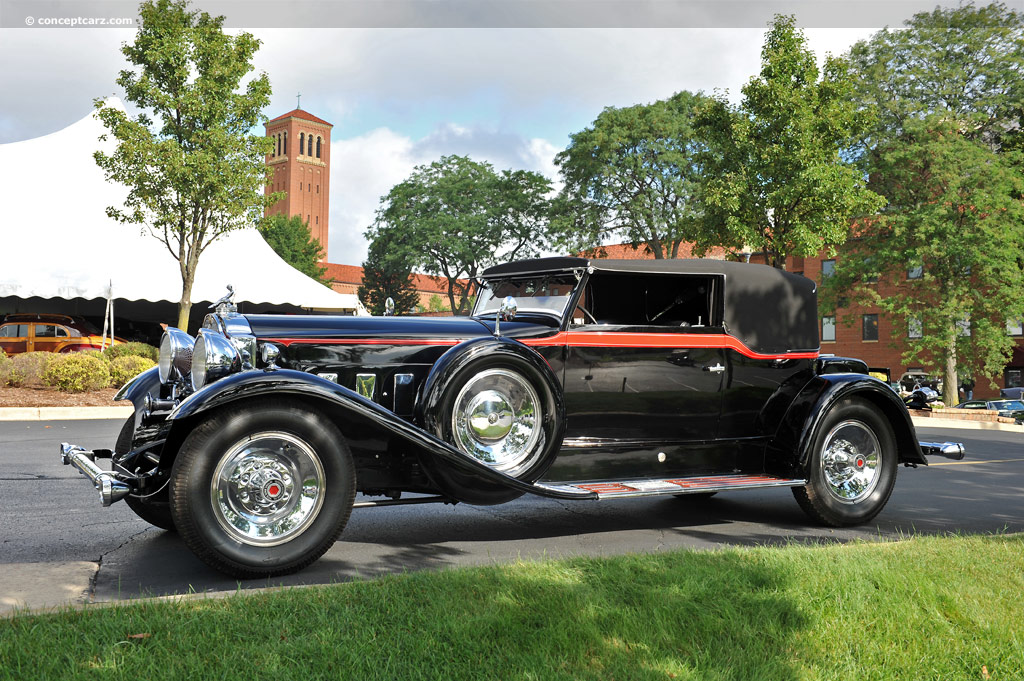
x: 955, y: 210
x: 192, y: 166
x: 384, y: 278
x: 631, y: 176
x: 291, y: 239
x: 965, y: 64
x: 456, y: 216
x: 775, y: 178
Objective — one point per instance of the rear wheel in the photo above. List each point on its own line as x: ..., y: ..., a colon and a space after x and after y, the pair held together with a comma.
x: 262, y: 488
x: 852, y: 469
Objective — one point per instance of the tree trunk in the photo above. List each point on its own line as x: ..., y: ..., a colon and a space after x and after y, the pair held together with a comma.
x: 951, y: 388
x: 185, y: 304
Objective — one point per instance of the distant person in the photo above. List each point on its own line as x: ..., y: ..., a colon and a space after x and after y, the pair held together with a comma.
x: 969, y: 388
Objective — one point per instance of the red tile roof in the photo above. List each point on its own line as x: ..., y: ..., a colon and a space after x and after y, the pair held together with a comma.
x: 352, y: 274
x: 304, y: 115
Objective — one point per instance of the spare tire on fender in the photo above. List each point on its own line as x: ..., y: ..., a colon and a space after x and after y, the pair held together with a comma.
x: 499, y: 402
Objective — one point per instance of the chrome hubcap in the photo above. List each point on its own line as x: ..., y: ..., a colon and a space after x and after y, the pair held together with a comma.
x: 267, y: 489
x: 496, y: 419
x: 849, y: 461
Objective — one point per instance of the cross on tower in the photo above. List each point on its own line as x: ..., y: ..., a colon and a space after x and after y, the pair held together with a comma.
x: 298, y: 101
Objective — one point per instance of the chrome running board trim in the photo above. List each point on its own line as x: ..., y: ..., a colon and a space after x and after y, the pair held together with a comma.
x: 690, y: 485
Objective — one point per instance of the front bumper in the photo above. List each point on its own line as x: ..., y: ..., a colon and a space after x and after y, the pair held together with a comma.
x: 949, y: 450
x: 110, y: 487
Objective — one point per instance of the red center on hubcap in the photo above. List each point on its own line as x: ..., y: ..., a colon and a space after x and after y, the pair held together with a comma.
x: 860, y: 462
x: 274, y: 490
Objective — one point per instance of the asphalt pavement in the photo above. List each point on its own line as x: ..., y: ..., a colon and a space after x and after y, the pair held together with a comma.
x: 58, y: 545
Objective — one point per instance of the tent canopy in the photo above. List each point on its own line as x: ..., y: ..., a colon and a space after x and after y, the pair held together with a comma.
x: 59, y: 242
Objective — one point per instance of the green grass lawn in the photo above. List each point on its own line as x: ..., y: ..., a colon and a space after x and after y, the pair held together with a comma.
x: 925, y: 608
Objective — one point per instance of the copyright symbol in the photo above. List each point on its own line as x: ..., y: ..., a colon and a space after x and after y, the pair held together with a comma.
x: 29, y: 21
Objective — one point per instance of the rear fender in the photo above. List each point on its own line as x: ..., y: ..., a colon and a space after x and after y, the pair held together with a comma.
x: 790, y: 449
x: 337, y: 399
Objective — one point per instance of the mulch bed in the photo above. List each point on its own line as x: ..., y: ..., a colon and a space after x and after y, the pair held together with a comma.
x: 48, y: 397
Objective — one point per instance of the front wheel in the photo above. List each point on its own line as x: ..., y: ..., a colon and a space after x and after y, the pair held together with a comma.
x: 262, y: 488
x: 852, y: 469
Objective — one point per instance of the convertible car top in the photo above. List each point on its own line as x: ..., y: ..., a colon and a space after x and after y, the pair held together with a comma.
x: 573, y: 379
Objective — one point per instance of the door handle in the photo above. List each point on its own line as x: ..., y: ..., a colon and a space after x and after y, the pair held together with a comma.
x: 716, y: 369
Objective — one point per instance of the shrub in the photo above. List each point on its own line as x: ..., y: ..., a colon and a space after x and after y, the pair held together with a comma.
x: 124, y: 369
x: 28, y: 368
x: 6, y: 368
x: 77, y: 372
x: 132, y: 350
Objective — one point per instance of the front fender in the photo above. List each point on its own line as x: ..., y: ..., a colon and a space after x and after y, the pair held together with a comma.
x: 283, y: 382
x: 790, y: 449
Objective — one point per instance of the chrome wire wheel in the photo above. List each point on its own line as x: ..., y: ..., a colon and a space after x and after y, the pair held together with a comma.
x: 267, y: 489
x: 850, y: 460
x: 497, y: 419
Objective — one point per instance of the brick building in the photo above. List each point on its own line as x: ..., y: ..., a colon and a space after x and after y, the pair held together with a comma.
x: 301, y: 161
x: 348, y: 278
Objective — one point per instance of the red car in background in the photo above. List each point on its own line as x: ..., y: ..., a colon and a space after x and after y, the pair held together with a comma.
x: 49, y: 333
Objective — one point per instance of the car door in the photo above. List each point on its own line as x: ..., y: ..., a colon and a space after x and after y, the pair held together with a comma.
x: 14, y: 338
x: 47, y: 337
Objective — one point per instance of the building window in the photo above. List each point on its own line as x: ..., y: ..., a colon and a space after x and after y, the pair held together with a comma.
x: 914, y: 328
x: 1015, y: 327
x: 318, y: 189
x: 1013, y: 377
x: 869, y: 329
x: 828, y: 329
x: 309, y: 187
x: 302, y: 142
x: 828, y: 268
x: 318, y: 147
x: 285, y: 142
x: 915, y: 272
x: 279, y: 144
x: 309, y: 152
x: 318, y: 219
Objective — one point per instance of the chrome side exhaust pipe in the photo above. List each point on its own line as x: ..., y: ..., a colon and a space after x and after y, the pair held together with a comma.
x: 110, y: 488
x: 949, y: 450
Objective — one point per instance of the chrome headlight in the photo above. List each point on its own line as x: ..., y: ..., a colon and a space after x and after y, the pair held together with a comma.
x: 214, y: 358
x: 175, y: 355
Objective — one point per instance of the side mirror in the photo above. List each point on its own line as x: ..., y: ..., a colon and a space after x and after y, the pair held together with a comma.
x: 506, y: 313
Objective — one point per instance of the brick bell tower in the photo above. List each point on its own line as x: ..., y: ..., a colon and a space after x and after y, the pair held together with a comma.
x: 301, y: 161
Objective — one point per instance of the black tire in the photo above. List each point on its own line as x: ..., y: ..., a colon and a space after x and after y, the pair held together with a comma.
x: 851, y: 467
x: 233, y: 494
x: 155, y: 510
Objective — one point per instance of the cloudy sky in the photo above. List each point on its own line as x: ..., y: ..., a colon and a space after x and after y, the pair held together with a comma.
x: 399, y: 97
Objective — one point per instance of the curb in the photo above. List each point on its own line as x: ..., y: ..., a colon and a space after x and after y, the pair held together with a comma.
x: 960, y: 424
x: 64, y: 413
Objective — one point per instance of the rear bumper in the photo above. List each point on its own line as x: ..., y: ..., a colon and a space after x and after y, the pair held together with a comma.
x: 948, y: 450
x: 110, y: 487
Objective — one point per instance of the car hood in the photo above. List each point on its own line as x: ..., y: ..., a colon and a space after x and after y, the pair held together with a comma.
x: 313, y: 327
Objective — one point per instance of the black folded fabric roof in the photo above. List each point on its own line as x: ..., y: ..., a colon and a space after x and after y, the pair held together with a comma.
x: 768, y: 309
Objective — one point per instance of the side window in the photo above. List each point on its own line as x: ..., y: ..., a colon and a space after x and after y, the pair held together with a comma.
x: 62, y: 332
x: 46, y: 331
x: 671, y: 301
x: 14, y: 331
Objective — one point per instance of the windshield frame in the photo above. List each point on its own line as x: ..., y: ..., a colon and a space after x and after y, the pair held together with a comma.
x: 487, y: 302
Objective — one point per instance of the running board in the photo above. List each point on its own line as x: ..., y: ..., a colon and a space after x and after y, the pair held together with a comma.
x: 691, y: 485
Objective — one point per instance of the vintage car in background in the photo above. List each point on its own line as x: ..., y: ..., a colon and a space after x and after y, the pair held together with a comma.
x: 49, y: 333
x: 573, y: 379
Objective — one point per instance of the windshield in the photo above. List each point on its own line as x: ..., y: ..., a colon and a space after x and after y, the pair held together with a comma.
x: 537, y: 293
x: 1008, y: 404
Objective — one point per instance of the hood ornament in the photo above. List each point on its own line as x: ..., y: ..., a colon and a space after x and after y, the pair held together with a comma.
x: 226, y: 305
x: 389, y: 307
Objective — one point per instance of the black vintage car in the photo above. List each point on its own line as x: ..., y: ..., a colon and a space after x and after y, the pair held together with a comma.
x: 573, y: 379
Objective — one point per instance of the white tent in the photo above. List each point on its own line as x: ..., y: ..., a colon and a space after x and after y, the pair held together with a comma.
x: 57, y: 241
